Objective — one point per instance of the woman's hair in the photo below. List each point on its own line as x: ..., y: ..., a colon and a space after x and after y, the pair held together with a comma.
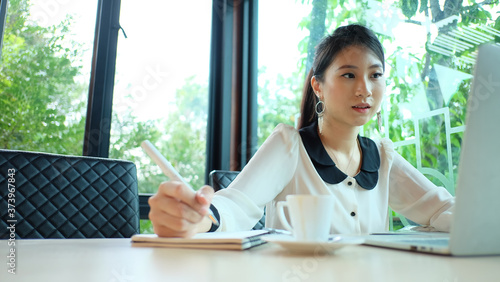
x: 326, y: 51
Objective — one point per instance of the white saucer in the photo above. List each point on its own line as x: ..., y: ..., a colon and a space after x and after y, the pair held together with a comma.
x: 289, y: 243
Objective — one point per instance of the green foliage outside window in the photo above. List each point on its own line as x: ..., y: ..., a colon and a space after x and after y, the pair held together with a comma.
x: 180, y: 137
x: 42, y: 105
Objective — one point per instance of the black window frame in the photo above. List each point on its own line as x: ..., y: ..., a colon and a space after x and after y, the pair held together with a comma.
x: 102, y: 76
x: 3, y: 17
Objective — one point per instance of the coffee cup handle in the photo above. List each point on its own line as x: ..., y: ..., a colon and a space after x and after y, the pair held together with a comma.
x: 281, y: 214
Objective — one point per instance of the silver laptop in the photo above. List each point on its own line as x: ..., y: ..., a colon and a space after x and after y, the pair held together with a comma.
x: 475, y: 228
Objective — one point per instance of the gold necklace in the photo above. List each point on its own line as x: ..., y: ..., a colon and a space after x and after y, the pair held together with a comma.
x: 350, y: 158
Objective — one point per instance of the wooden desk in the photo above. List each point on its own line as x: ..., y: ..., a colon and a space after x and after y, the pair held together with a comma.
x: 73, y: 260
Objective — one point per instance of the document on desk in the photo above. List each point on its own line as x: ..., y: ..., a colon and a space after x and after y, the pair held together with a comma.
x: 240, y: 240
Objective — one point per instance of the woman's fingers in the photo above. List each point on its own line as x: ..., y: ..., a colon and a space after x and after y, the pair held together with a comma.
x: 176, y: 210
x: 204, y: 196
x: 173, y: 207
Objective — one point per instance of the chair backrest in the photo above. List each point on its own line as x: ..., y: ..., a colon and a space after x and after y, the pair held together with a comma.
x: 220, y: 179
x: 55, y: 196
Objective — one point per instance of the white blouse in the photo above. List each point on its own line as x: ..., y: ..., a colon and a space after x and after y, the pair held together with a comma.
x: 290, y: 164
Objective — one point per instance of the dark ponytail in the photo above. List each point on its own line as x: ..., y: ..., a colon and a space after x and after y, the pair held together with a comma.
x: 326, y: 51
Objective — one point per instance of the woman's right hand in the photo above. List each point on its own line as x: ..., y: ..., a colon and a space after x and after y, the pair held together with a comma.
x: 178, y: 211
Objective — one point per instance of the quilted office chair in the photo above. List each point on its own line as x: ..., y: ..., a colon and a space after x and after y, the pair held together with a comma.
x: 55, y: 196
x: 220, y: 179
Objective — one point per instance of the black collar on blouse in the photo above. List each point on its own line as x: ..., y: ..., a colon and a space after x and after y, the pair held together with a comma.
x: 326, y: 168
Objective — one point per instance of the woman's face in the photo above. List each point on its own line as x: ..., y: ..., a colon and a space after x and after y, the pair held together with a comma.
x: 353, y: 87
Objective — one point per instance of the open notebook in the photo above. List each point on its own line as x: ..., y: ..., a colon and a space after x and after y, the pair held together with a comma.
x: 476, y: 219
x: 240, y: 240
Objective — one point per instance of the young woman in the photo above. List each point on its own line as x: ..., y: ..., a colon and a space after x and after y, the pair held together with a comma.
x: 344, y: 90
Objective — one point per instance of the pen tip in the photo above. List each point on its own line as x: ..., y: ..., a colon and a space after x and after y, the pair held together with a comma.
x: 213, y: 219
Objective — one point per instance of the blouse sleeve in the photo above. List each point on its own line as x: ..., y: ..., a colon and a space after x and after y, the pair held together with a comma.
x: 241, y: 204
x: 414, y: 196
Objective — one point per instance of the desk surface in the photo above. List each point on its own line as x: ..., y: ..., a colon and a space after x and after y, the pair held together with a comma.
x: 117, y: 260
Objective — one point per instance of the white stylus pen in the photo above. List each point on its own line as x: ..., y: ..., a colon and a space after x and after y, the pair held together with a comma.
x: 167, y: 169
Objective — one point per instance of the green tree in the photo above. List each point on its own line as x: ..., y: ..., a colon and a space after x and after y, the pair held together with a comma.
x: 180, y: 137
x: 185, y: 133
x: 316, y: 26
x: 280, y: 107
x: 126, y: 136
x: 42, y: 105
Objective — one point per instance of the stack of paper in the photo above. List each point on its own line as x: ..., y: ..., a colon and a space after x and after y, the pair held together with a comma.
x: 240, y: 240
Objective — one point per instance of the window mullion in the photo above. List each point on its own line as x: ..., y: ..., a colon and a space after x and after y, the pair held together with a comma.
x: 100, y: 101
x: 3, y: 12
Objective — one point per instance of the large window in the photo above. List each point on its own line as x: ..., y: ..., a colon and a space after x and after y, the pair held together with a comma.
x: 430, y: 53
x: 281, y: 63
x: 161, y: 88
x: 44, y: 74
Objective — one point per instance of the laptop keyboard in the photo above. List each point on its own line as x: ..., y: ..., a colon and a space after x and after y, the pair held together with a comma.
x: 427, y: 241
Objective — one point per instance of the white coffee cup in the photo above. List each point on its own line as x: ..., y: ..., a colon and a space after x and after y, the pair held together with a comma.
x: 310, y: 215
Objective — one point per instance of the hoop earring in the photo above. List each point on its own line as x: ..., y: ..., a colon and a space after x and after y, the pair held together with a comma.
x: 322, y: 104
x: 379, y: 121
x: 320, y: 114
